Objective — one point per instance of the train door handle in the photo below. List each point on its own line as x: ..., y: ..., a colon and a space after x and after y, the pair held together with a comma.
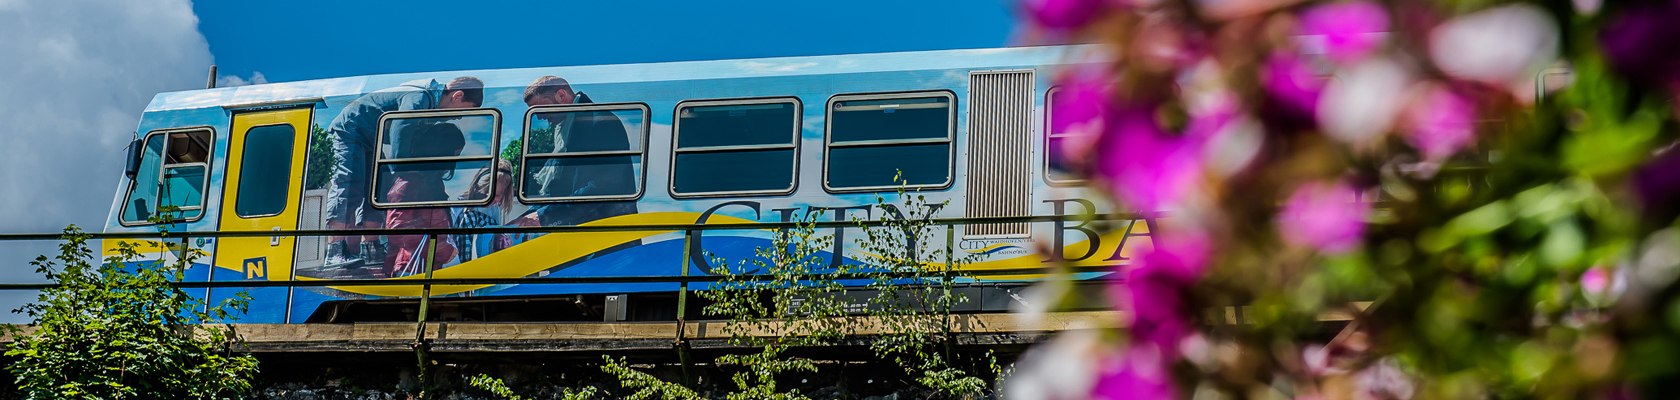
x: 274, y: 240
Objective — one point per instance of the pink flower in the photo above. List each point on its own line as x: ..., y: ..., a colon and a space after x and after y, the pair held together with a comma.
x: 1440, y: 122
x: 1154, y: 290
x: 1292, y: 87
x: 1350, y: 30
x: 1327, y: 217
x: 1503, y: 46
x: 1138, y: 373
x: 1595, y: 281
x: 1063, y: 15
x: 1081, y: 101
x: 1146, y: 168
x: 1076, y: 117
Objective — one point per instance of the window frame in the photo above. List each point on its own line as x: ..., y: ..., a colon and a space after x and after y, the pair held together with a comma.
x: 379, y: 159
x: 950, y: 139
x: 242, y: 168
x: 795, y: 144
x: 525, y: 151
x: 204, y: 198
x: 1044, y: 160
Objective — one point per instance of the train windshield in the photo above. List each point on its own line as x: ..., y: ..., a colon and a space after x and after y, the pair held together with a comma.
x: 174, y: 169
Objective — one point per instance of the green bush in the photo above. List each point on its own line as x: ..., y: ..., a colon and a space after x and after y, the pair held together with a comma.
x: 121, y: 331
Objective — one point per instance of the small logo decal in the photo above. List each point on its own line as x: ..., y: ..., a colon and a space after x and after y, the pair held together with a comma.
x: 256, y: 267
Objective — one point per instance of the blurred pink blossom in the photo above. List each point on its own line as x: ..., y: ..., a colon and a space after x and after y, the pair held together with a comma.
x: 1440, y: 122
x: 1148, y: 169
x: 1081, y: 100
x: 1292, y: 87
x: 1350, y: 30
x: 1501, y: 46
x: 1595, y: 281
x: 1162, y: 43
x: 1063, y: 15
x: 1138, y: 373
x: 1384, y: 379
x: 1154, y: 289
x: 1064, y: 368
x: 1233, y: 146
x: 1327, y: 217
x: 1362, y: 104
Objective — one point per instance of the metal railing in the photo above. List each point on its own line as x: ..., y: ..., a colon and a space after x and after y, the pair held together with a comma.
x: 689, y: 232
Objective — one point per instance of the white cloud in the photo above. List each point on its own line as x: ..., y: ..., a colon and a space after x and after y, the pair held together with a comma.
x: 77, y: 75
x: 257, y: 78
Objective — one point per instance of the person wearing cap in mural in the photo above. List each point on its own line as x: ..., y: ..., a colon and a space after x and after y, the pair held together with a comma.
x: 578, y: 132
x: 355, y: 134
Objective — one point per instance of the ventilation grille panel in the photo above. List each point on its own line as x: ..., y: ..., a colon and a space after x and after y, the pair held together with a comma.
x: 999, y: 146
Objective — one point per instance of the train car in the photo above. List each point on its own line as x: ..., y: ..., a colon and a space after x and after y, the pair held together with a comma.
x: 706, y: 142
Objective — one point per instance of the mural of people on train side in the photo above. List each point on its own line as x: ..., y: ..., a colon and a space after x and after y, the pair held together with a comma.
x: 578, y: 132
x: 495, y: 181
x: 419, y: 183
x: 355, y: 136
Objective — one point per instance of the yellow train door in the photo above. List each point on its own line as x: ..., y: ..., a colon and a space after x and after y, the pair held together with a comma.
x: 263, y: 184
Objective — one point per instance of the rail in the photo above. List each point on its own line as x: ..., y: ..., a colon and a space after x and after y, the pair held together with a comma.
x: 948, y: 222
x: 682, y: 279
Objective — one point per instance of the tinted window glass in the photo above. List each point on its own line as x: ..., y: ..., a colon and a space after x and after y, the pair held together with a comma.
x: 873, y: 140
x: 181, y: 160
x: 592, y: 130
x: 737, y: 125
x: 183, y: 186
x: 432, y: 181
x: 592, y: 152
x: 723, y: 147
x: 142, y: 199
x: 890, y: 119
x: 188, y: 147
x: 265, y: 171
x: 434, y: 159
x: 412, y: 137
x: 1058, y: 135
x: 1059, y: 169
x: 875, y: 166
x: 734, y: 171
x: 555, y: 177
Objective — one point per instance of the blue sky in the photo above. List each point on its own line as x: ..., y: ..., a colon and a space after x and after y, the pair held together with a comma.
x: 298, y: 40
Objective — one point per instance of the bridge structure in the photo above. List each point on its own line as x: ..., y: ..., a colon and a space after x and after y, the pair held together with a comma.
x: 977, y: 328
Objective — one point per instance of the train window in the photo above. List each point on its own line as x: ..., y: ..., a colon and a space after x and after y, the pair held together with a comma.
x: 431, y: 158
x: 174, y: 171
x: 875, y: 139
x: 735, y: 147
x: 265, y: 171
x: 583, y: 152
x: 1057, y: 138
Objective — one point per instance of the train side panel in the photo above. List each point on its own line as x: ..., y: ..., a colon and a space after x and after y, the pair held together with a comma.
x: 488, y: 179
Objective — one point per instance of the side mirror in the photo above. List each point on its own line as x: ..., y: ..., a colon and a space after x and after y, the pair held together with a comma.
x: 132, y: 168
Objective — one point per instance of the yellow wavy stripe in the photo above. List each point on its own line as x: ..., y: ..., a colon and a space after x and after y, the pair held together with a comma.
x: 994, y: 246
x: 1110, y: 241
x: 541, y: 253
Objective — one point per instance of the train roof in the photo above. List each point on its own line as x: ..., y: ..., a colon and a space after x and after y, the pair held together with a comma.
x: 311, y: 90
